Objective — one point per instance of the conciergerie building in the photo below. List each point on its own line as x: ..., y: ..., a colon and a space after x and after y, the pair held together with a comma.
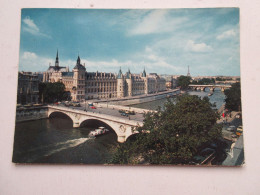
x: 98, y: 85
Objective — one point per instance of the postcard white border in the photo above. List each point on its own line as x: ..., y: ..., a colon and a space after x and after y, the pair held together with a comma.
x: 84, y: 179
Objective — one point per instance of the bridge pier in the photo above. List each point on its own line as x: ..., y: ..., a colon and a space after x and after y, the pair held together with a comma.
x: 75, y: 124
x: 121, y: 139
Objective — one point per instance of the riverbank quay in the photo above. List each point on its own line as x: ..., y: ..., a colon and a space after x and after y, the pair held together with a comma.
x: 31, y: 113
x: 126, y: 101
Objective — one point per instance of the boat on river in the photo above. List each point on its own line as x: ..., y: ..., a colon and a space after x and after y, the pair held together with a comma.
x: 97, y: 132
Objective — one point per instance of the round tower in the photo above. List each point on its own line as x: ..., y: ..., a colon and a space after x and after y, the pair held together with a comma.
x: 144, y: 76
x: 120, y: 84
x: 129, y: 83
x: 78, y: 90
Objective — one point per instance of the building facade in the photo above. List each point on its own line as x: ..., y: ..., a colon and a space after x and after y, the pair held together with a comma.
x: 98, y: 85
x: 27, y: 90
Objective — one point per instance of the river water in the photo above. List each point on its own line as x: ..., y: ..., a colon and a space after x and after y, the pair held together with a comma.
x: 218, y: 98
x: 54, y: 140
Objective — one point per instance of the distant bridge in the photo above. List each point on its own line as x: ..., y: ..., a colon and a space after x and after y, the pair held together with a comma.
x: 123, y: 127
x: 211, y: 87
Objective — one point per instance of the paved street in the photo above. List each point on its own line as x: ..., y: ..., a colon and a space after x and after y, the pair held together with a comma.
x: 231, y: 121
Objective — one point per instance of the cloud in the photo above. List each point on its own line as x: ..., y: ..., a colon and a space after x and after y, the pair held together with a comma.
x: 29, y: 55
x: 30, y: 61
x: 156, y: 21
x: 227, y: 34
x: 198, y: 47
x: 30, y: 27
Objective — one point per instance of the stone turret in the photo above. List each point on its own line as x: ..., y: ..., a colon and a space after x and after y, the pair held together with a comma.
x: 78, y: 81
x: 144, y: 76
x: 120, y: 84
x: 129, y: 83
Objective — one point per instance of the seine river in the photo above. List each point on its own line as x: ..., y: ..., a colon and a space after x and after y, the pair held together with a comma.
x: 56, y: 141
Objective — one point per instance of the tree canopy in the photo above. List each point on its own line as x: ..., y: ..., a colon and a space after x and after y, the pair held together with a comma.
x: 204, y: 81
x: 52, y: 92
x: 233, y: 97
x: 173, y: 135
x: 183, y: 81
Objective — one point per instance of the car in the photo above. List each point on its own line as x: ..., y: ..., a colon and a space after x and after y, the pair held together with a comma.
x: 239, y: 130
x: 124, y: 114
x: 93, y: 107
x: 231, y: 128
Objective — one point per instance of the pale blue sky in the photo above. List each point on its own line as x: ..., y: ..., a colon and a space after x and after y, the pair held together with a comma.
x: 165, y: 41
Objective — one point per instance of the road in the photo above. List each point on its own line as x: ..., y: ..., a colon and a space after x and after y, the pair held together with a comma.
x: 108, y: 111
x: 231, y: 135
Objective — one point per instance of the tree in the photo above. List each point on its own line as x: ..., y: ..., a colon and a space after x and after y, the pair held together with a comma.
x: 204, y: 81
x: 173, y: 135
x: 183, y: 81
x: 51, y: 92
x: 233, y: 97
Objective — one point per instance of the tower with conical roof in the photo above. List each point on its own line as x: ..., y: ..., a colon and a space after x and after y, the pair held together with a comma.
x: 145, y: 78
x: 78, y: 81
x: 57, y: 60
x: 129, y: 83
x: 120, y: 84
x: 144, y: 73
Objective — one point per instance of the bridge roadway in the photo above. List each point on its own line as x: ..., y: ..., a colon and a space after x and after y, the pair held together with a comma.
x: 122, y: 125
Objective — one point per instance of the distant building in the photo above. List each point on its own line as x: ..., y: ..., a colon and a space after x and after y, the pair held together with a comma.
x: 97, y: 85
x: 27, y: 90
x: 170, y: 82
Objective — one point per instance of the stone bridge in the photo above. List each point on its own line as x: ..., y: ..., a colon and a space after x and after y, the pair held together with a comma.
x: 123, y: 127
x: 211, y: 87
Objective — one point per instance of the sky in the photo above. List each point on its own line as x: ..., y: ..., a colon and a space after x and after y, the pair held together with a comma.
x: 163, y: 41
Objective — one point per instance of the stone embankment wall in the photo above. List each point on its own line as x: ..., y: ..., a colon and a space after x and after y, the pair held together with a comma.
x: 33, y: 113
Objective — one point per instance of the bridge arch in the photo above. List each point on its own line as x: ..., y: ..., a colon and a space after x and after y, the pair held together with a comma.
x: 52, y: 114
x: 95, y: 123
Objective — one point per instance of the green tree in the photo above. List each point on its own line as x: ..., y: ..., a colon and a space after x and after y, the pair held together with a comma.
x: 173, y: 135
x: 233, y: 97
x: 183, y: 81
x: 52, y: 92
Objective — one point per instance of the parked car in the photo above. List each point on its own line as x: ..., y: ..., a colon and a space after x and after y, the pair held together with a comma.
x: 239, y: 130
x: 124, y: 114
x: 231, y: 128
x: 93, y: 107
